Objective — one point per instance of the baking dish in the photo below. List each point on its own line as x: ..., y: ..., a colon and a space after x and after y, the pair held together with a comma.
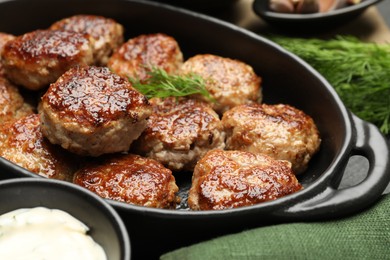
x: 286, y: 79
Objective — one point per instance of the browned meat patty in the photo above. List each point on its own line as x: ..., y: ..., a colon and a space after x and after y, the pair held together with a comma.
x: 231, y: 179
x: 230, y: 82
x: 180, y: 132
x: 38, y: 58
x: 130, y: 178
x: 280, y: 131
x: 139, y: 55
x: 22, y: 142
x: 4, y: 37
x: 107, y: 34
x: 12, y: 103
x: 92, y: 111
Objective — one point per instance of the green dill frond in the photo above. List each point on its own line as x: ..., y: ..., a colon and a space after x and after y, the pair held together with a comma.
x: 160, y: 84
x: 359, y: 72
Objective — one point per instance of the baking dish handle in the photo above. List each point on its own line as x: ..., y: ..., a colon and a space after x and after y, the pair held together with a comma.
x: 333, y: 202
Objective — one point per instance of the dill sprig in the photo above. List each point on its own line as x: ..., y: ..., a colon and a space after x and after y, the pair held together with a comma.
x: 160, y: 84
x: 359, y: 72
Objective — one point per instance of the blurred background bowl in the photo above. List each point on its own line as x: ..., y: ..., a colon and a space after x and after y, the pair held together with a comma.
x: 313, y: 22
x: 106, y: 227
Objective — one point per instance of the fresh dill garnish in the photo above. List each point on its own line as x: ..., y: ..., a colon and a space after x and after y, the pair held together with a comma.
x: 359, y: 72
x: 160, y: 84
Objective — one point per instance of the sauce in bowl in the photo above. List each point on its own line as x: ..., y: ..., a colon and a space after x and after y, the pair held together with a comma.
x: 42, y: 233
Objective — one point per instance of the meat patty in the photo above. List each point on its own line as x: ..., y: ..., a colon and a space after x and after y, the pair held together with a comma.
x: 92, y: 111
x: 280, y: 131
x: 139, y: 55
x: 107, y: 34
x: 180, y: 132
x: 130, y: 178
x: 230, y: 82
x: 4, y: 38
x: 22, y: 142
x: 38, y: 58
x: 12, y: 104
x: 231, y: 179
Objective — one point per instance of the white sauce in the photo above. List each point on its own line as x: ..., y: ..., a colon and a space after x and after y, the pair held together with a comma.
x: 42, y: 233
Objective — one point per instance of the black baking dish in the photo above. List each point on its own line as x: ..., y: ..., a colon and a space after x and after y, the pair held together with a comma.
x: 286, y: 79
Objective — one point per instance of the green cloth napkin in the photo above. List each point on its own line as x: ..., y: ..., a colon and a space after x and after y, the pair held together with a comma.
x: 362, y: 236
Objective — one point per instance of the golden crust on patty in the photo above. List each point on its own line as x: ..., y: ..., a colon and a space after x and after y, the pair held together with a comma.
x: 231, y: 179
x: 38, y: 58
x: 136, y: 57
x: 12, y: 103
x: 22, y: 142
x: 4, y: 38
x: 179, y: 132
x: 130, y: 178
x: 107, y: 34
x: 92, y: 111
x: 281, y: 131
x: 230, y: 82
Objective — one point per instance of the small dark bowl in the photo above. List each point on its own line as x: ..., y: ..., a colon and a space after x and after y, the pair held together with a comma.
x: 106, y: 226
x: 286, y: 79
x: 310, y: 22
